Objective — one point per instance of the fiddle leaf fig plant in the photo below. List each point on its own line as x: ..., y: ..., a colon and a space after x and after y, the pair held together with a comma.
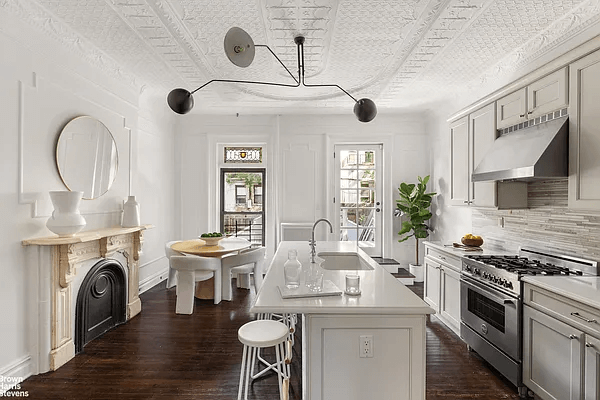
x: 414, y: 202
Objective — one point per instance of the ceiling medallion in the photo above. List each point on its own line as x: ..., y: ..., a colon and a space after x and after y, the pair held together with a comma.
x: 240, y: 49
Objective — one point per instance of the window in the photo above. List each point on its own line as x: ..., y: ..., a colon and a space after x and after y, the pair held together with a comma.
x: 258, y: 194
x: 240, y: 194
x: 245, y: 155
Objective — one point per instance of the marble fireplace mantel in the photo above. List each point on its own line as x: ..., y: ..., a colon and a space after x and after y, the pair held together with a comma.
x: 58, y: 260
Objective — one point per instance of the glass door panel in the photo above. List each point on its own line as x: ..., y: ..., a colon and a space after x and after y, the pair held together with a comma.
x: 358, y: 194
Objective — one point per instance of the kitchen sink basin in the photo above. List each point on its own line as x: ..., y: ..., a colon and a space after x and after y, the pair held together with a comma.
x: 343, y: 261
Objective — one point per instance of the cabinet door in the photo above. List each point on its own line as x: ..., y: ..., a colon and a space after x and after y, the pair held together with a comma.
x: 592, y: 368
x: 552, y: 353
x: 450, y: 297
x: 547, y: 94
x: 459, y: 162
x: 584, y: 136
x: 483, y: 134
x: 511, y: 109
x: 432, y: 284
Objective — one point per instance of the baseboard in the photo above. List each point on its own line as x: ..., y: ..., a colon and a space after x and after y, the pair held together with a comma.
x: 15, y: 373
x: 153, y: 280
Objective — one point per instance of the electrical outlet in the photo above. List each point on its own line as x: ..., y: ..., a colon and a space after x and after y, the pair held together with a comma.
x: 366, y: 346
x: 501, y: 222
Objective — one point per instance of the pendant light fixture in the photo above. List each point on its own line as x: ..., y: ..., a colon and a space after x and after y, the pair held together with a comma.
x: 240, y: 49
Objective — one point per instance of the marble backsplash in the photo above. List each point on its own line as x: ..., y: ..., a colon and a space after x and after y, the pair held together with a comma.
x: 548, y: 224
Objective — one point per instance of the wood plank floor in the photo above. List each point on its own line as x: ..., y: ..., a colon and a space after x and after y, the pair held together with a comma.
x: 161, y: 355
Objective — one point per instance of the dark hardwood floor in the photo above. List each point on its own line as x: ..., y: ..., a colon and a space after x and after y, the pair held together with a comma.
x: 161, y: 355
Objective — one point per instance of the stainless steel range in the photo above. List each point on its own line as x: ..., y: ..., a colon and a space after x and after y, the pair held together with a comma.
x: 491, y: 303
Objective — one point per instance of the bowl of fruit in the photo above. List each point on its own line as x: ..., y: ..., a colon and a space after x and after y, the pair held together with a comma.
x: 471, y: 240
x: 211, y: 239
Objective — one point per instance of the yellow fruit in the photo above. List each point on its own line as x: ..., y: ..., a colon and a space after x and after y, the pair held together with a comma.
x: 477, y: 237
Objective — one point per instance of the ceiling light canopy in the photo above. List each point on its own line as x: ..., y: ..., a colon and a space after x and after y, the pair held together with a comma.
x: 240, y: 49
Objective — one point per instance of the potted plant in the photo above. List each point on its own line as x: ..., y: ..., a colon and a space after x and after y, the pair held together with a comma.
x: 414, y: 202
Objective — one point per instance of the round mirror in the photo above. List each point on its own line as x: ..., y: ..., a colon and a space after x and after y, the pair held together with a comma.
x: 86, y: 157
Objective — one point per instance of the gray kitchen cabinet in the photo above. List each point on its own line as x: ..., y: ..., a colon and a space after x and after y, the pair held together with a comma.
x: 538, y: 98
x: 584, y: 136
x: 592, y: 368
x: 460, y: 175
x: 561, y: 346
x: 471, y: 138
x: 552, y: 352
x: 442, y: 285
x: 512, y: 108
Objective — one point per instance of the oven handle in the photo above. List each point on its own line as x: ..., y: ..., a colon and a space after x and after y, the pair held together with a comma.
x: 488, y: 291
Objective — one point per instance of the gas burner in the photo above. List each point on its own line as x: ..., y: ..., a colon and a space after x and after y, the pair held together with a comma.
x: 523, y: 265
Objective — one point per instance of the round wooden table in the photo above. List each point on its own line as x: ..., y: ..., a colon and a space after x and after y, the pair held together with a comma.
x: 198, y: 247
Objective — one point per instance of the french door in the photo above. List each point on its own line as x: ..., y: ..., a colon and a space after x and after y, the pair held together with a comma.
x: 358, y: 194
x: 243, y: 204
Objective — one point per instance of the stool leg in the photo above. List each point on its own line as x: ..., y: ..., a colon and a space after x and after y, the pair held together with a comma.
x: 242, y: 373
x: 248, y: 372
x: 280, y: 367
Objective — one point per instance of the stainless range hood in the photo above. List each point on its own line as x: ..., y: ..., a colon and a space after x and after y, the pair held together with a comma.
x: 537, y: 152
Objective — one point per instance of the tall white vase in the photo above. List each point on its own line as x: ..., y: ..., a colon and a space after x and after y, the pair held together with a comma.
x: 131, y: 213
x: 65, y: 220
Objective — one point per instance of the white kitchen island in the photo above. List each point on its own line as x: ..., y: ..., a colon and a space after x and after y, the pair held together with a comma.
x: 387, y: 311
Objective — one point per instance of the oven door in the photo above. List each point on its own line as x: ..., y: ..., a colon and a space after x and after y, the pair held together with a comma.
x: 492, y: 314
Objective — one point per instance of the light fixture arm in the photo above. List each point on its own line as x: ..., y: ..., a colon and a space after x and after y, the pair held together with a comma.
x: 300, y: 43
x: 240, y: 49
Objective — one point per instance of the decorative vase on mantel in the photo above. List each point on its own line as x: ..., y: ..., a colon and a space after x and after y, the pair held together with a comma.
x: 131, y: 213
x: 66, y: 220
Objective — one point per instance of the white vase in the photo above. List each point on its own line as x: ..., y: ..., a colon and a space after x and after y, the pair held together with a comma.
x: 65, y: 220
x: 131, y: 213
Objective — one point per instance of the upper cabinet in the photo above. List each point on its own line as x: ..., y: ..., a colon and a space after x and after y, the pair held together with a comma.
x: 471, y: 137
x: 547, y: 94
x: 459, y: 162
x: 584, y: 136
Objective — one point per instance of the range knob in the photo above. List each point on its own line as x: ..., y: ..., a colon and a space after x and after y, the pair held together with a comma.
x: 509, y: 285
x: 467, y: 268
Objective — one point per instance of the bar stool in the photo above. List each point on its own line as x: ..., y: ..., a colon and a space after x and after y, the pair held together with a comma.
x: 259, y: 334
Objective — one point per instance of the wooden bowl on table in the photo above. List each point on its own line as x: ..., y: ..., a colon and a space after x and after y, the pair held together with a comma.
x: 472, y: 242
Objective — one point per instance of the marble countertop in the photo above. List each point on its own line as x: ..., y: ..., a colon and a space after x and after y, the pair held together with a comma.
x: 461, y: 252
x: 584, y: 289
x: 381, y: 293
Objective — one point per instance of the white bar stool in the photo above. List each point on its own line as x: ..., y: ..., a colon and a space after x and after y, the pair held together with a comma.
x: 259, y: 334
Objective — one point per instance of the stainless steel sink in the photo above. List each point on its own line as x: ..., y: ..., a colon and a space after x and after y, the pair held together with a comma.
x: 343, y: 261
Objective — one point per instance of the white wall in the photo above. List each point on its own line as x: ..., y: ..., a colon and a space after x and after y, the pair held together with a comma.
x: 298, y: 153
x: 42, y: 86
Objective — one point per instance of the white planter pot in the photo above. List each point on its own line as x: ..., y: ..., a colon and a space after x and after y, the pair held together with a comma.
x: 65, y: 220
x: 417, y: 271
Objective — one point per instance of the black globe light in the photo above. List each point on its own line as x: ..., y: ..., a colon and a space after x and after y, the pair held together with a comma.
x: 365, y: 110
x: 240, y: 49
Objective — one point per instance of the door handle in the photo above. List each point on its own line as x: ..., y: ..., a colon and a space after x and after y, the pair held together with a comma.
x: 572, y: 337
x: 587, y: 344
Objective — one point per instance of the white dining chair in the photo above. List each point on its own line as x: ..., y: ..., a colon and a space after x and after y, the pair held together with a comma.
x: 249, y: 261
x: 169, y: 252
x: 192, y: 269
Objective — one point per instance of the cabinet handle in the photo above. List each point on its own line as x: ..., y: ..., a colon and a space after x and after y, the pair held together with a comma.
x: 577, y: 315
x: 587, y: 344
x: 443, y: 258
x: 572, y: 337
x: 522, y: 115
x: 530, y: 112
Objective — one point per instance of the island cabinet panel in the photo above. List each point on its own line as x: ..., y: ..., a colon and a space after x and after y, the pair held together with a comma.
x: 338, y: 372
x: 584, y: 136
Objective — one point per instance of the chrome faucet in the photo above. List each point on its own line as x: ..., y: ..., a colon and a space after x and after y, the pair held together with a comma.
x: 313, y: 242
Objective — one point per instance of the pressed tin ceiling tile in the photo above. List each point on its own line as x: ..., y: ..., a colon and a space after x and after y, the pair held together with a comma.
x: 402, y: 54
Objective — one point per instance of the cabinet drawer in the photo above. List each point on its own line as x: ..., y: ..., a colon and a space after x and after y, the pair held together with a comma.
x: 448, y: 259
x: 571, y: 312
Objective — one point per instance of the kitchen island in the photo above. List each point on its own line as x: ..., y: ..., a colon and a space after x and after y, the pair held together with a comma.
x: 387, y: 313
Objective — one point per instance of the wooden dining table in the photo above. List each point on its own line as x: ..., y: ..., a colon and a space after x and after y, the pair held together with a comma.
x: 198, y: 247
